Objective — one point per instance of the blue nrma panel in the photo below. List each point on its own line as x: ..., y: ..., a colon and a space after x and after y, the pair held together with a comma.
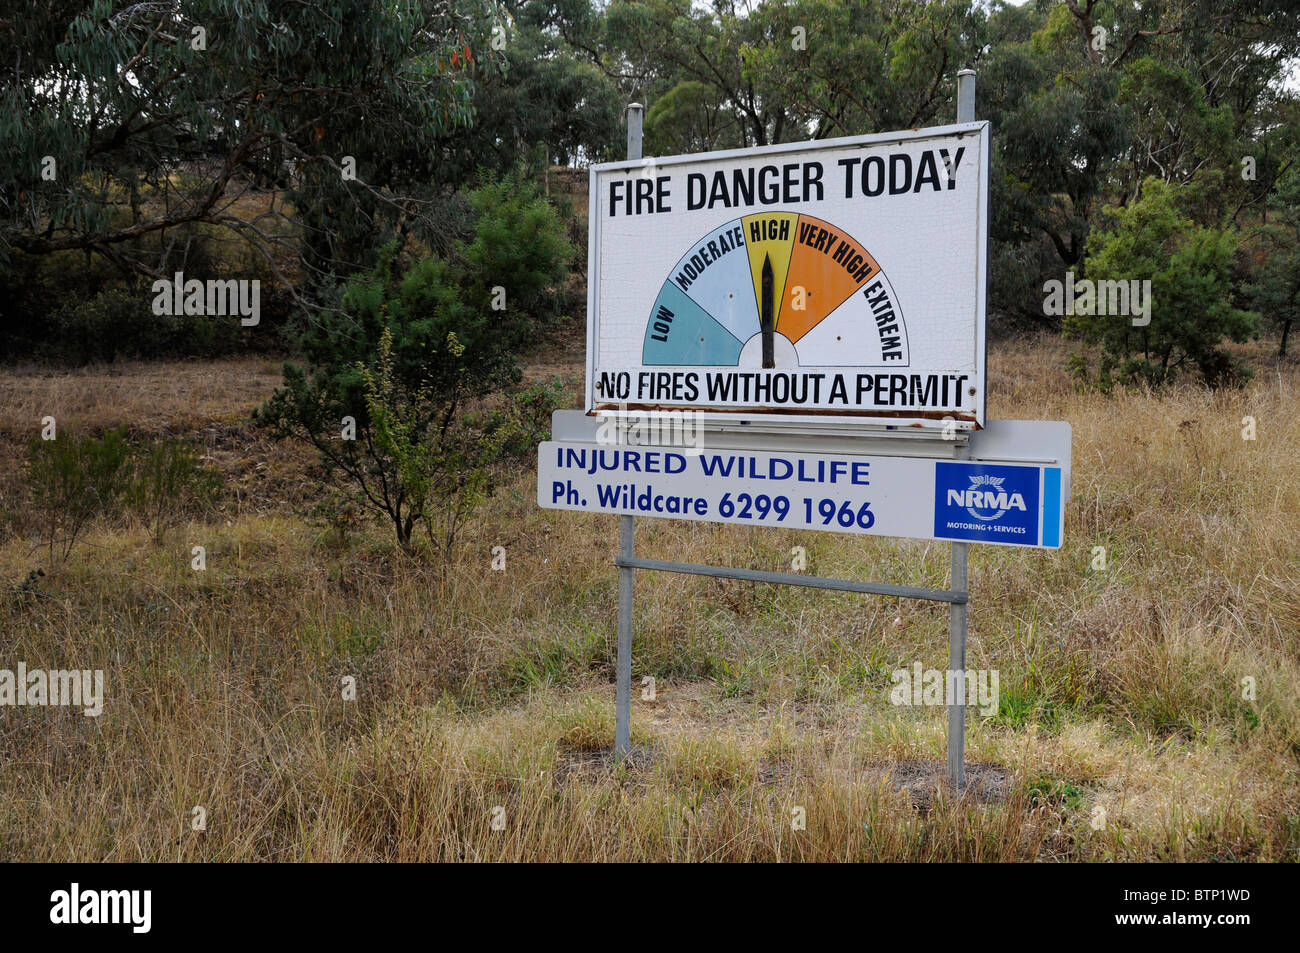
x: 986, y: 503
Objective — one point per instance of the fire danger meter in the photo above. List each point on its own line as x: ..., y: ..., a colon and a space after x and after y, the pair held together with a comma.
x: 834, y: 279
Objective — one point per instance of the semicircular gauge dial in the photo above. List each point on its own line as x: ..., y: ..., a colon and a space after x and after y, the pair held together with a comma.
x: 777, y: 289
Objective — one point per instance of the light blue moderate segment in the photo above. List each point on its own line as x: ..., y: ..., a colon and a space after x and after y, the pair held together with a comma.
x: 1051, y: 506
x: 693, y: 337
x: 724, y: 285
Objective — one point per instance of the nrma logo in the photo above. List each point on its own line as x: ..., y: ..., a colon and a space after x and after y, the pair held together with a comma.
x: 992, y: 503
x: 985, y: 499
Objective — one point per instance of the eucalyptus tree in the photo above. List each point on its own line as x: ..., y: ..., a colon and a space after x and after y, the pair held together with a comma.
x: 124, y: 122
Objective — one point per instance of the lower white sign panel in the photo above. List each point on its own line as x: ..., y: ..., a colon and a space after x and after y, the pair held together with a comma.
x: 909, y: 497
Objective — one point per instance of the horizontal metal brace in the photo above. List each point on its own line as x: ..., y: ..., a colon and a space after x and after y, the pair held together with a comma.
x: 794, y: 579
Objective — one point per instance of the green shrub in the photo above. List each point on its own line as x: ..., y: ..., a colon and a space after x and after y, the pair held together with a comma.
x: 446, y: 463
x: 73, y: 481
x: 86, y: 330
x: 1191, y: 310
x: 1275, y: 286
x: 412, y: 394
x: 120, y: 323
x: 532, y: 408
x: 166, y: 481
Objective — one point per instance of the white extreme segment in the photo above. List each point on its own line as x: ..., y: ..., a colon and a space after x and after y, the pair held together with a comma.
x: 851, y: 335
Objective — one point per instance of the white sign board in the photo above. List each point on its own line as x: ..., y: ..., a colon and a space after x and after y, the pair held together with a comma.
x: 830, y: 281
x: 1010, y: 490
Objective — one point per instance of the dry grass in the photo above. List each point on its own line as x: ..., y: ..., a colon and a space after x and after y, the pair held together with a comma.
x: 480, y: 689
x: 147, y: 396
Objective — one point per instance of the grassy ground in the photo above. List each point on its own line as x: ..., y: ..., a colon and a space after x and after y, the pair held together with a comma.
x: 487, y: 694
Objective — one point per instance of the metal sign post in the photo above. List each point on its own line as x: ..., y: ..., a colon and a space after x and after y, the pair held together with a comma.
x: 623, y: 690
x: 957, y: 612
x: 626, y: 534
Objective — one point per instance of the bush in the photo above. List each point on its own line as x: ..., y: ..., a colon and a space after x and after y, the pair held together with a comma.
x: 533, y: 406
x: 1190, y: 270
x: 400, y: 375
x: 1275, y: 285
x: 111, y: 324
x: 167, y: 481
x: 445, y: 463
x: 120, y: 323
x: 72, y: 309
x: 73, y: 481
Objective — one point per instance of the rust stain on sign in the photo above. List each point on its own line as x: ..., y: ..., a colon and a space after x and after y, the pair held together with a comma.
x: 793, y: 411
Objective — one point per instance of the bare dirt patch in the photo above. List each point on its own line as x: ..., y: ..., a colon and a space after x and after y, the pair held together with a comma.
x: 924, y: 781
x: 589, y: 765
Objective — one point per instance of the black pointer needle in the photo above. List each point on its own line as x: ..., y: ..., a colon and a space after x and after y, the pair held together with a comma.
x: 767, y: 319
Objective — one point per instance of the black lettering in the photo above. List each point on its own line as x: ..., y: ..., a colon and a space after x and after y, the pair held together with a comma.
x: 895, y: 186
x: 662, y: 193
x: 812, y: 181
x: 645, y: 193
x: 951, y: 166
x: 897, y: 389
x: 848, y: 165
x: 742, y: 186
x: 876, y: 164
x: 718, y: 192
x: 695, y: 191
x: 927, y: 162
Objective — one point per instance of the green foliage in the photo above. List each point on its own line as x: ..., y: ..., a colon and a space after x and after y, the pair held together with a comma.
x: 123, y: 125
x: 412, y: 355
x: 1191, y: 310
x: 445, y: 462
x: 1055, y: 792
x: 153, y: 169
x: 656, y: 45
x: 519, y: 245
x: 74, y: 480
x: 548, y: 94
x: 1275, y: 288
x: 1078, y: 126
x: 82, y: 330
x: 119, y: 322
x: 1174, y: 130
x: 516, y: 244
x: 690, y: 117
x: 167, y: 480
x: 1057, y: 131
x: 1078, y: 123
x: 861, y: 67
x: 533, y: 405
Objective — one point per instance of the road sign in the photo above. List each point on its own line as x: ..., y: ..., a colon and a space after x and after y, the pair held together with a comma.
x: 1009, y: 490
x: 832, y: 281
